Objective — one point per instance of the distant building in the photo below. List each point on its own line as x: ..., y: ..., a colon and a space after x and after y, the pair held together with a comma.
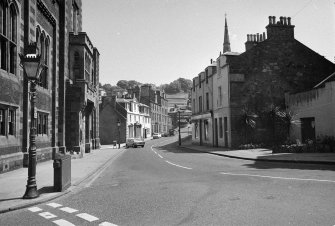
x: 176, y: 101
x: 160, y: 120
x: 134, y: 118
x: 272, y: 65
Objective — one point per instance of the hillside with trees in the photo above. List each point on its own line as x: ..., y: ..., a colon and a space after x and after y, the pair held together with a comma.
x: 177, y: 86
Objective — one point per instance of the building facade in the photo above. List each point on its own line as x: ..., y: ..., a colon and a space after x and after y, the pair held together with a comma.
x: 48, y: 23
x: 177, y: 101
x: 272, y: 65
x: 314, y: 111
x: 134, y: 118
x: 160, y: 120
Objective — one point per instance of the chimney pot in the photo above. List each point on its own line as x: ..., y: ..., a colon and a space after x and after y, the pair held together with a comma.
x: 211, y: 61
x: 261, y: 38
x: 274, y: 20
x: 281, y: 20
x: 264, y: 37
x: 254, y: 38
x: 270, y: 19
x: 248, y: 38
x: 288, y: 20
x: 285, y: 21
x: 257, y: 36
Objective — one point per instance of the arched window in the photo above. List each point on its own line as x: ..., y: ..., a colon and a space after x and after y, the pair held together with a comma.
x: 13, y: 38
x: 8, y: 36
x: 44, y: 49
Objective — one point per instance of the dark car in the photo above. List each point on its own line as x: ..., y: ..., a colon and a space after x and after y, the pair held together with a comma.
x: 135, y: 142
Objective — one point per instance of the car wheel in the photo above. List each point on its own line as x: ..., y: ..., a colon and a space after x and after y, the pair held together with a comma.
x: 135, y: 146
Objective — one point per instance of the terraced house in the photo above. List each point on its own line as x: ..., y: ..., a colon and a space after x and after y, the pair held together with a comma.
x: 240, y: 85
x: 71, y: 70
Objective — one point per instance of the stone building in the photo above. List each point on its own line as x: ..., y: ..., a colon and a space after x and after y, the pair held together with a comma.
x: 49, y: 24
x: 258, y: 78
x: 314, y: 111
x: 178, y: 100
x: 134, y: 118
x: 160, y: 120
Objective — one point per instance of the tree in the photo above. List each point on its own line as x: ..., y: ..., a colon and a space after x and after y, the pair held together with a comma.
x: 247, y: 123
x: 123, y: 84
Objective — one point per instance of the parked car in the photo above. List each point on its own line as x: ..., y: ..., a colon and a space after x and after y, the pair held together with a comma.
x: 156, y: 135
x: 135, y: 142
x: 165, y: 135
x: 171, y: 132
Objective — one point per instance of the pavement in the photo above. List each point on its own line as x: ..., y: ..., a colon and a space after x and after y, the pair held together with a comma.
x: 264, y: 154
x: 13, y: 183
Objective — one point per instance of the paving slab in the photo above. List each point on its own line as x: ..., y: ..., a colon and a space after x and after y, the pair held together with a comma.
x: 13, y: 183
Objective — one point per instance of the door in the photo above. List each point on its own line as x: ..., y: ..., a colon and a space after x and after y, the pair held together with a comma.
x: 200, y: 131
x: 225, y: 127
x: 307, y: 129
x: 216, y: 137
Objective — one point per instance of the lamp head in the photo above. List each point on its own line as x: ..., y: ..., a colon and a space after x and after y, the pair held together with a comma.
x: 31, y: 62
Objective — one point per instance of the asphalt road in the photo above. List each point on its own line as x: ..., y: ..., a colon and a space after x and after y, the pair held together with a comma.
x: 163, y: 185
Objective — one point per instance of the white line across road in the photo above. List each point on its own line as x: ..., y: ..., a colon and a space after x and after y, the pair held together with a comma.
x: 35, y: 209
x: 68, y: 210
x: 281, y: 178
x: 47, y: 215
x: 87, y: 217
x: 54, y: 205
x: 184, y: 167
x: 62, y: 222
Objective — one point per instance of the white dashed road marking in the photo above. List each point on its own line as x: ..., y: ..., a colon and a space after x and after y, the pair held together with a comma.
x: 184, y: 167
x: 110, y: 224
x: 87, y: 217
x: 35, y: 209
x: 62, y: 222
x: 68, y: 210
x: 47, y: 215
x: 282, y: 178
x: 54, y: 205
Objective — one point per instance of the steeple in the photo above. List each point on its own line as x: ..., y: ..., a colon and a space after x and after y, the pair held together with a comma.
x: 226, y: 43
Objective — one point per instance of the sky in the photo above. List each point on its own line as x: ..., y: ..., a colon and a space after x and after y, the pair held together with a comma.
x: 159, y: 41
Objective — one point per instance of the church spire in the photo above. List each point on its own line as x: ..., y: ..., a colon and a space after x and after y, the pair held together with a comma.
x: 226, y: 43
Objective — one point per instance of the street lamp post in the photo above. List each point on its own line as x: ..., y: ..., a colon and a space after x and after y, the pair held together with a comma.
x: 179, y: 127
x: 118, y: 126
x: 32, y: 67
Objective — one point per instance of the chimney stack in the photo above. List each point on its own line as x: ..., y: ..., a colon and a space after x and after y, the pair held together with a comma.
x: 281, y: 30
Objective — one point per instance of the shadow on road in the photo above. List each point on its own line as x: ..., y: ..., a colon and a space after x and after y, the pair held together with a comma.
x: 291, y: 165
x: 174, y: 147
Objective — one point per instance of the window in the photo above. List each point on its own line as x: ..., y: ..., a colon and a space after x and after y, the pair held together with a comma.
x: 200, y: 103
x: 8, y: 37
x: 42, y: 123
x: 207, y: 101
x: 199, y: 81
x: 43, y: 43
x: 220, y: 96
x: 2, y: 122
x: 7, y: 120
x: 206, y: 129
x: 220, y: 128
x: 196, y: 130
x: 11, y: 122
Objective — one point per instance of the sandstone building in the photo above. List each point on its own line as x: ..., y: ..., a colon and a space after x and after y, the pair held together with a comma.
x: 72, y: 69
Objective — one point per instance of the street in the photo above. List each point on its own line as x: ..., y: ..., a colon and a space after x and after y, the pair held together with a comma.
x: 162, y: 184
